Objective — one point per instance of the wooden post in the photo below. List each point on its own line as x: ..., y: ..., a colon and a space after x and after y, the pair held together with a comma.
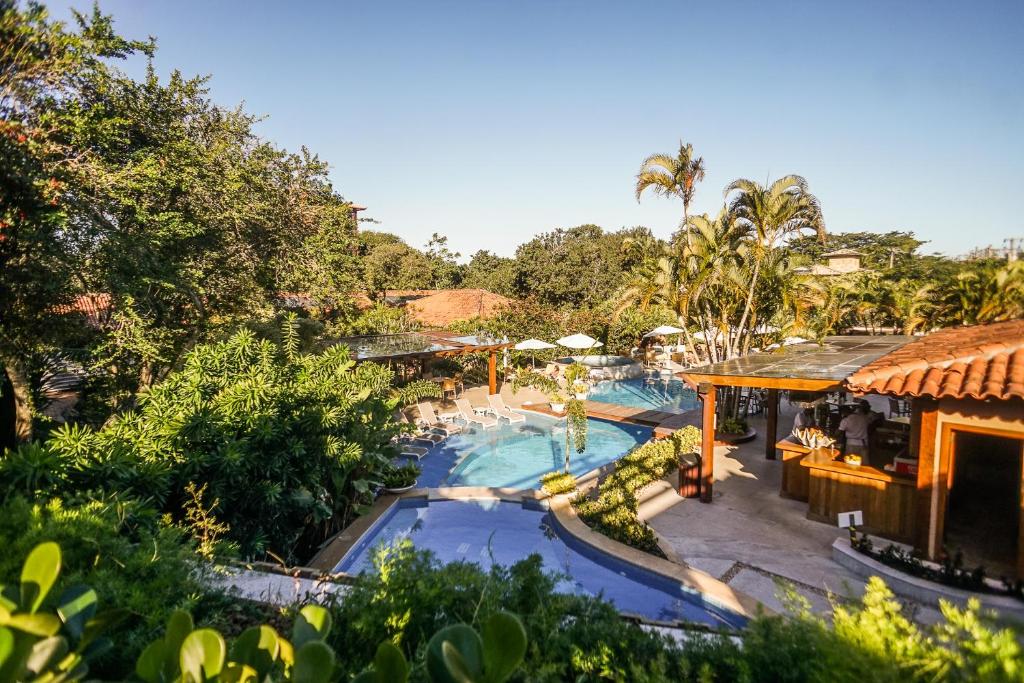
x: 492, y: 373
x: 771, y: 436
x: 923, y: 422
x: 707, y: 448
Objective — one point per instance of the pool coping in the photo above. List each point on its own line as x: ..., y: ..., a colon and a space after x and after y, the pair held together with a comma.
x: 560, y: 506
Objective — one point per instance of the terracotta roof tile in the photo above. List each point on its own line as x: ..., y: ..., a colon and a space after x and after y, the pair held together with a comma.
x: 982, y: 362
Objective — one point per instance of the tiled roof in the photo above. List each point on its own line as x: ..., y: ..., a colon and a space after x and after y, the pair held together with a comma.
x: 982, y: 362
x: 94, y: 306
x: 446, y: 306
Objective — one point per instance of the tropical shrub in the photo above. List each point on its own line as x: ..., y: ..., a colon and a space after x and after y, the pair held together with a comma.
x: 613, y: 512
x: 409, y: 597
x: 400, y: 476
x: 121, y: 551
x: 558, y: 482
x: 289, y: 445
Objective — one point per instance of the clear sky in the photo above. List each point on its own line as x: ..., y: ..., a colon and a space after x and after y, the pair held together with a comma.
x: 492, y: 121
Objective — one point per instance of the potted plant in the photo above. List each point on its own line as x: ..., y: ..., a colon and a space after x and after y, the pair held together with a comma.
x: 575, y: 378
x: 400, y: 478
x: 557, y: 402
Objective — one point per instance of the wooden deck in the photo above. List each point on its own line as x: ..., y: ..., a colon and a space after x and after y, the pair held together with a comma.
x: 663, y: 422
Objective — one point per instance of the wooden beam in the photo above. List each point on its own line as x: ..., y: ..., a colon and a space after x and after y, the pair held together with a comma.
x: 924, y: 415
x: 788, y: 383
x: 773, y: 424
x: 492, y: 372
x: 707, y: 448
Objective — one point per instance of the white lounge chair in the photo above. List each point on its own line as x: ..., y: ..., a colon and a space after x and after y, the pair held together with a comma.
x: 467, y: 413
x: 422, y: 434
x: 429, y: 420
x: 499, y: 408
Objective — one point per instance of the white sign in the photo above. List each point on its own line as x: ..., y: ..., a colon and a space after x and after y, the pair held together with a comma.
x: 853, y: 518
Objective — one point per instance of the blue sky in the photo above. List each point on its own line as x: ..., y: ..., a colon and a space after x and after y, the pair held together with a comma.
x: 490, y: 122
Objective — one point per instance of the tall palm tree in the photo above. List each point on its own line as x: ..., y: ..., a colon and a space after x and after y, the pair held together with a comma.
x: 672, y: 176
x: 772, y: 213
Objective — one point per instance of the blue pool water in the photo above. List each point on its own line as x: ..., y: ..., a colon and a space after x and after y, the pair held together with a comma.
x: 516, y: 455
x: 654, y: 394
x: 491, y: 531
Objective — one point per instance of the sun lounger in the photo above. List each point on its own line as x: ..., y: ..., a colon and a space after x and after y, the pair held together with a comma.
x: 422, y: 434
x: 429, y: 420
x: 497, y: 404
x: 467, y: 413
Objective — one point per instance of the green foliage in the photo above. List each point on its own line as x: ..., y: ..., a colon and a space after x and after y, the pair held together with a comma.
x: 290, y: 446
x: 42, y: 645
x: 187, y: 654
x: 410, y: 597
x: 536, y: 381
x: 733, y: 425
x: 400, y: 476
x: 377, y: 319
x: 458, y: 654
x: 558, y: 482
x: 118, y: 549
x: 614, y: 510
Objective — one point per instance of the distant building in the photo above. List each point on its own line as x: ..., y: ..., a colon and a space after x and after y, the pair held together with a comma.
x: 441, y: 307
x: 839, y: 262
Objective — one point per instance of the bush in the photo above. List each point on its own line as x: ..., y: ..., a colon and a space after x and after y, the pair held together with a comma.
x: 571, y: 637
x: 558, y: 482
x: 614, y: 511
x: 119, y: 549
x: 289, y: 446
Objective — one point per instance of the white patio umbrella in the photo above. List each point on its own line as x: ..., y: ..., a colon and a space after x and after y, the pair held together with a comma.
x: 579, y: 341
x: 532, y: 345
x: 663, y: 331
x: 765, y: 328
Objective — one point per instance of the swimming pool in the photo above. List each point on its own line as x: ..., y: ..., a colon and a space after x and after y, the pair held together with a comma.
x: 488, y: 531
x: 654, y: 394
x: 516, y: 455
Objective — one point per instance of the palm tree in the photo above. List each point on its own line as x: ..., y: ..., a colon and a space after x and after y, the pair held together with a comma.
x: 672, y: 176
x: 771, y: 214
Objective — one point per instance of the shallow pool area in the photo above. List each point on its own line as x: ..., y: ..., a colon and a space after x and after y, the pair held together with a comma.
x: 652, y: 393
x: 489, y: 531
x: 516, y: 455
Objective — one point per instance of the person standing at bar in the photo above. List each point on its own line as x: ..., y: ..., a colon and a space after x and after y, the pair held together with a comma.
x: 855, y: 428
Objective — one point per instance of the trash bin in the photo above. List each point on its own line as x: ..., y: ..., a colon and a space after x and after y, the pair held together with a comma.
x: 689, y: 475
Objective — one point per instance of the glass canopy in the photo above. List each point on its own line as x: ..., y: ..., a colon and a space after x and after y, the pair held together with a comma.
x: 417, y: 344
x: 836, y: 358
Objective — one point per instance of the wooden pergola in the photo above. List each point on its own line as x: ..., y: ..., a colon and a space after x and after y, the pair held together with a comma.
x: 405, y: 346
x: 808, y: 367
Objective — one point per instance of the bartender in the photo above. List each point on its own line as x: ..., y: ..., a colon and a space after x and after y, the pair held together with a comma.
x: 803, y: 419
x: 855, y: 428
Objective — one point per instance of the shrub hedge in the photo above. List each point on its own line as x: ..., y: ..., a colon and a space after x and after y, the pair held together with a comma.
x: 613, y: 512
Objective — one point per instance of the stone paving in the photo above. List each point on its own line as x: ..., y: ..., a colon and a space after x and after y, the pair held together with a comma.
x: 750, y: 537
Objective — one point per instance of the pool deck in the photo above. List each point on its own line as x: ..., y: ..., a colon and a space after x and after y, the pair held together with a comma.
x: 664, y: 422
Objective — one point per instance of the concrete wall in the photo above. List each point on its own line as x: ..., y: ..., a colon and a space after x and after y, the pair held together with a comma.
x: 844, y: 264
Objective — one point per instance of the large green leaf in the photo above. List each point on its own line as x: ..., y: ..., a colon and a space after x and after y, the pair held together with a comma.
x: 312, y: 623
x: 202, y: 654
x: 390, y: 663
x: 466, y: 641
x: 504, y: 641
x: 38, y: 575
x: 258, y: 648
x: 457, y: 666
x: 41, y: 624
x: 314, y: 663
x: 150, y: 663
x: 77, y: 604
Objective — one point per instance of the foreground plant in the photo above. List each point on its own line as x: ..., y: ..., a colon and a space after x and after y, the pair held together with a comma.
x: 37, y: 644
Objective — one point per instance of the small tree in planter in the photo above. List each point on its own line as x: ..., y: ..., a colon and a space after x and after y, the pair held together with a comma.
x: 575, y: 378
x: 576, y: 410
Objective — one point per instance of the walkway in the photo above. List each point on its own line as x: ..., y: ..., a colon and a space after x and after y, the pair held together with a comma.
x: 751, y: 538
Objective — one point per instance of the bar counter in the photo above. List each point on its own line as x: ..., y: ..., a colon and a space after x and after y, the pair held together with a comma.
x: 831, y: 486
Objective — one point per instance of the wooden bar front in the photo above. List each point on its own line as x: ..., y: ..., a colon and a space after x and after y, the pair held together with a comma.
x: 796, y: 479
x: 886, y: 499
